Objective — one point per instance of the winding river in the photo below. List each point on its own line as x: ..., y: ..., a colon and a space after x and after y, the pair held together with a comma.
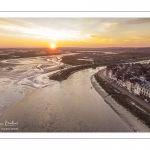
x: 67, y: 106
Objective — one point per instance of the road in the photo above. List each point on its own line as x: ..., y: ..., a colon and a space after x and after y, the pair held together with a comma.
x: 124, y: 91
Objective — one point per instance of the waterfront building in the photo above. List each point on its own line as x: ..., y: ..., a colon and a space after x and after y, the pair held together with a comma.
x: 145, y: 90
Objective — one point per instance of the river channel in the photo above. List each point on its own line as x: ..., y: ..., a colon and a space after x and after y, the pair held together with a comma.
x: 67, y: 106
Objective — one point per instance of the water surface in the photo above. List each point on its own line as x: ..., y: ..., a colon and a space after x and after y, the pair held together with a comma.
x: 67, y: 106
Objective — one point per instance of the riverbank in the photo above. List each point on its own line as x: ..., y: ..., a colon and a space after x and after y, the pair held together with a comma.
x: 64, y: 74
x: 134, y: 123
x: 68, y: 106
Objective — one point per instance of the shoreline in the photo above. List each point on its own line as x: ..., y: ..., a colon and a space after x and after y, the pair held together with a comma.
x: 64, y: 74
x: 35, y: 113
x: 134, y: 123
x: 127, y: 117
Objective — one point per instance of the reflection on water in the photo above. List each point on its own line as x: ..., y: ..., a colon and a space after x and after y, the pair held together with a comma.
x: 67, y: 106
x: 82, y: 109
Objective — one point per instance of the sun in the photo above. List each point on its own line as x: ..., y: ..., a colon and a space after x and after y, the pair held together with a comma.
x: 52, y: 46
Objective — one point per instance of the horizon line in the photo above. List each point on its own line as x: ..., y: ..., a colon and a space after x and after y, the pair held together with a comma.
x: 78, y: 47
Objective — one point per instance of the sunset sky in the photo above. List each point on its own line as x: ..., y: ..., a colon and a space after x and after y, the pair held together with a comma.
x: 75, y: 32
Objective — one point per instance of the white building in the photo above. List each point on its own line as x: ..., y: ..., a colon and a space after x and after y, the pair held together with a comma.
x: 128, y: 84
x: 110, y: 74
x: 136, y: 88
x: 145, y: 90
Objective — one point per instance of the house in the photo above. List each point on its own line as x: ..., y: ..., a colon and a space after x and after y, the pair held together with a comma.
x: 145, y: 90
x: 135, y: 85
x: 131, y: 76
x: 128, y: 84
x: 110, y: 74
x: 136, y: 88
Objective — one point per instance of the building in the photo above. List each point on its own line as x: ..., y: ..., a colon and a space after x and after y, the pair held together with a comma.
x: 145, y: 90
x: 130, y: 76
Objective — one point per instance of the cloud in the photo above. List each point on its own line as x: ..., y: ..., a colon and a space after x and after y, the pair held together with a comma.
x: 44, y: 33
x: 126, y: 40
x: 137, y: 21
x: 69, y: 29
x: 141, y: 37
x: 105, y: 31
x: 131, y: 22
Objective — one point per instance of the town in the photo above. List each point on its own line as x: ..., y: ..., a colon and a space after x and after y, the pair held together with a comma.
x: 133, y: 76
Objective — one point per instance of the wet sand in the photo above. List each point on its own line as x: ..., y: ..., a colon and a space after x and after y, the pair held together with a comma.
x: 31, y: 112
x: 134, y: 123
x: 64, y: 107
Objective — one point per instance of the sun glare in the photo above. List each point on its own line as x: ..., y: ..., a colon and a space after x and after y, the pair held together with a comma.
x: 52, y: 46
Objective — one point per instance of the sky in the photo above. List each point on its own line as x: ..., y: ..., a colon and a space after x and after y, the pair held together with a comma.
x: 74, y: 32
